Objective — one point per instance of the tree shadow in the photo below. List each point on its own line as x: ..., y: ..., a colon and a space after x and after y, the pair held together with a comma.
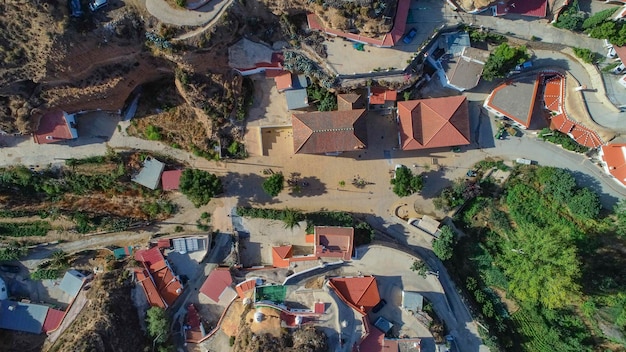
x: 608, y: 201
x: 434, y: 182
x: 310, y: 186
x: 248, y: 187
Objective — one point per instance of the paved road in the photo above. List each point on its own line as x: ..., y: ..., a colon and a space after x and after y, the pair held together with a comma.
x: 183, y: 17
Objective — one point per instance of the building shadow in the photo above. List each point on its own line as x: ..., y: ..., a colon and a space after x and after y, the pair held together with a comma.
x: 248, y: 187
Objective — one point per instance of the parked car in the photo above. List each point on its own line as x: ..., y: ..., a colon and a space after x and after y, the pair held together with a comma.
x: 10, y: 268
x: 408, y: 38
x: 379, y: 306
x: 524, y: 161
x: 96, y: 5
x: 471, y: 173
x: 619, y: 69
x: 611, y: 54
x: 525, y: 65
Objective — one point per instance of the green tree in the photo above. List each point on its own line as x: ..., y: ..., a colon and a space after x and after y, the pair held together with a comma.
x: 542, y: 266
x: 502, y: 60
x: 158, y: 324
x: 571, y: 18
x: 443, y: 246
x: 405, y: 183
x: 558, y: 183
x: 60, y: 259
x: 200, y: 186
x: 420, y: 267
x: 292, y: 218
x: 274, y: 184
x: 620, y: 217
x: 598, y: 18
x: 585, y: 204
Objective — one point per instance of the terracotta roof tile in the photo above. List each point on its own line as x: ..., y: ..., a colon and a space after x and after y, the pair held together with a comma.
x: 614, y: 155
x: 152, y: 295
x: 432, y: 123
x: 349, y: 101
x: 281, y: 255
x: 379, y: 96
x: 217, y: 281
x: 334, y: 242
x: 245, y: 286
x: 360, y: 293
x: 532, y: 8
x: 329, y: 131
x: 53, y: 127
x: 283, y: 81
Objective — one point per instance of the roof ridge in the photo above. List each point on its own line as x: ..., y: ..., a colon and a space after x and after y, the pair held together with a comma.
x: 366, y: 289
x: 447, y: 121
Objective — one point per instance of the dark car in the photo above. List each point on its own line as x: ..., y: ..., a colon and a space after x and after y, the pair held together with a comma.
x: 379, y: 306
x: 408, y: 38
x: 10, y: 268
x: 471, y: 173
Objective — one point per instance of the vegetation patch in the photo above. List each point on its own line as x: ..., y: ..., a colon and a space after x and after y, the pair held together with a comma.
x: 405, y: 183
x: 563, y: 140
x: 274, y: 184
x: 200, y: 186
x: 504, y: 59
x: 23, y: 229
x: 539, y: 241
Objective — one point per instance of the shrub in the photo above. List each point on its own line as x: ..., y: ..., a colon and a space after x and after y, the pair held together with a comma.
x: 274, y: 184
x: 405, y: 183
x: 586, y: 55
x: 153, y: 133
x: 200, y: 186
x: 45, y: 274
x: 443, y: 246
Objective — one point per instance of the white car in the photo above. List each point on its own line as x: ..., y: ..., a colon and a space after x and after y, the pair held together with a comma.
x: 611, y: 54
x: 619, y: 69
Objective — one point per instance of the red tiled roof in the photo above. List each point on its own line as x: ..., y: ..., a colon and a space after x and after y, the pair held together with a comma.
x: 53, y: 320
x: 360, y: 293
x: 149, y: 256
x: 333, y: 241
x: 245, y: 286
x: 217, y: 281
x: 329, y: 131
x: 164, y: 243
x: 561, y: 123
x: 584, y: 136
x: 349, y: 101
x: 553, y: 93
x: 621, y: 52
x: 432, y: 123
x: 614, y: 155
x: 283, y: 81
x: 533, y: 8
x: 379, y: 95
x: 320, y: 307
x: 170, y: 180
x: 152, y: 295
x: 281, y: 255
x: 53, y: 127
x: 388, y: 40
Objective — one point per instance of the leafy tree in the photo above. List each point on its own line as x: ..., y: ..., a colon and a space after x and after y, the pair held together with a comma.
x: 586, y: 55
x: 443, y: 246
x: 557, y: 182
x: 199, y: 186
x: 542, y: 266
x: 12, y: 253
x: 158, y: 324
x: 60, y: 259
x: 571, y: 18
x: 292, y: 218
x: 502, y: 60
x: 405, y: 183
x: 585, y: 204
x: 274, y: 184
x: 598, y: 18
x: 620, y: 217
x: 420, y: 267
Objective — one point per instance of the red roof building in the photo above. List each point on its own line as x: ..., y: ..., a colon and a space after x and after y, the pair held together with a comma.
x: 53, y: 320
x: 334, y: 242
x: 160, y: 284
x: 360, y: 293
x: 218, y: 281
x: 245, y: 287
x: 433, y: 123
x: 283, y: 81
x: 387, y: 41
x: 281, y: 256
x: 329, y: 131
x: 349, y: 101
x: 55, y: 126
x: 614, y: 160
x: 380, y: 96
x: 170, y: 180
x: 531, y: 8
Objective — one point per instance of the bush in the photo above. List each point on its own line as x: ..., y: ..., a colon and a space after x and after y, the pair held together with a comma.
x: 571, y: 18
x: 443, y: 246
x: 22, y: 229
x: 502, y: 60
x: 158, y: 324
x: 405, y: 183
x: 12, y: 253
x: 274, y: 184
x: 598, y: 18
x: 181, y: 3
x: 153, y: 133
x: 562, y: 139
x: 45, y: 274
x: 199, y: 186
x: 586, y: 55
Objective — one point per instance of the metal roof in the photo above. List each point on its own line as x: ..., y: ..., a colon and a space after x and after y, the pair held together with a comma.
x: 150, y: 173
x: 190, y: 244
x: 412, y: 301
x: 72, y: 282
x: 20, y: 316
x: 296, y: 99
